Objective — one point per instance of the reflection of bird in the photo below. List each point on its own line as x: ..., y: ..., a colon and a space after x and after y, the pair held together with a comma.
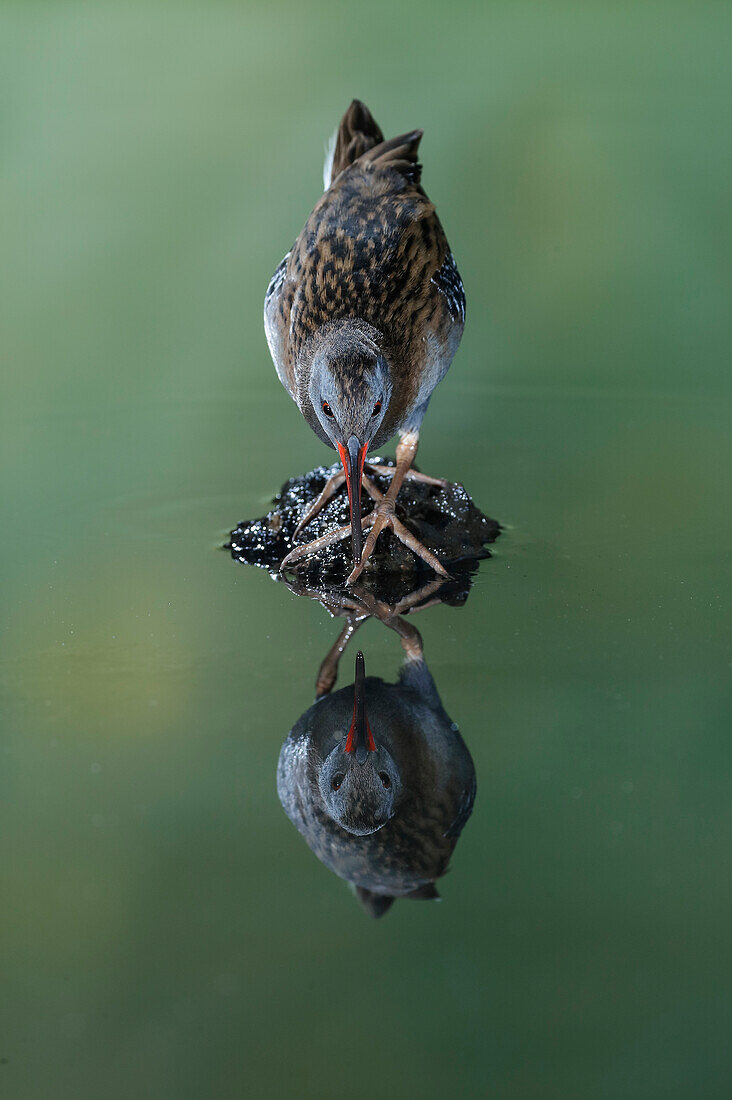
x: 363, y: 317
x: 380, y: 783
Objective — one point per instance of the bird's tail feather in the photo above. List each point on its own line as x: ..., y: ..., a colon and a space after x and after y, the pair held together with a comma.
x: 358, y: 132
x: 374, y: 904
x: 378, y: 904
x: 359, y: 135
x: 399, y: 153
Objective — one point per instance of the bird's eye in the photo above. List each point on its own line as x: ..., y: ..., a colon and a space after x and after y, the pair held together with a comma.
x: 377, y: 409
x: 327, y: 409
x: 336, y: 781
x: 385, y: 781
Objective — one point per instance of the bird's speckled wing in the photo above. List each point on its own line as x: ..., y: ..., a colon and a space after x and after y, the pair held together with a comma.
x: 464, y: 810
x: 273, y: 328
x: 292, y: 781
x: 450, y: 286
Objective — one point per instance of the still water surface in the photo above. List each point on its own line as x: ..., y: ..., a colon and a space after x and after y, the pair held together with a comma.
x: 165, y: 931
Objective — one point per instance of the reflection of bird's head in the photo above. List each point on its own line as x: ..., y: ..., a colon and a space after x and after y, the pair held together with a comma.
x: 359, y: 781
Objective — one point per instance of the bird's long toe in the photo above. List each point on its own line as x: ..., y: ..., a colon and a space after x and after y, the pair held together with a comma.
x: 380, y: 520
x: 382, y: 517
x: 410, y: 475
x: 405, y: 536
x: 331, y: 487
x: 299, y: 552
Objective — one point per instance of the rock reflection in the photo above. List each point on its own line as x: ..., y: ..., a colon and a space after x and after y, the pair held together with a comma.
x: 375, y: 776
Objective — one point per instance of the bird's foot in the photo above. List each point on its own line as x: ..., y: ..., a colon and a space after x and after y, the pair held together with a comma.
x: 382, y: 517
x: 410, y: 475
x: 313, y: 547
x: 337, y: 481
x: 331, y: 487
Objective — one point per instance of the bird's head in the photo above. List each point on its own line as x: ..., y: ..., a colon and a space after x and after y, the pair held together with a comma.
x: 350, y: 388
x: 358, y: 780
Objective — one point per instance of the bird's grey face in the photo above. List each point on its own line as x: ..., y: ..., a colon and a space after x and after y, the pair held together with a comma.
x: 358, y: 780
x: 350, y: 396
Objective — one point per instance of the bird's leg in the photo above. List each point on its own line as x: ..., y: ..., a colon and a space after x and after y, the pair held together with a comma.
x: 410, y: 637
x: 328, y: 670
x: 383, y: 514
x: 328, y: 539
x: 331, y: 487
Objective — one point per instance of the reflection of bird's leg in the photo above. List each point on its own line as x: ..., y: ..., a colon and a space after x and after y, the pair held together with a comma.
x: 335, y: 603
x: 415, y: 598
x: 328, y: 670
x: 383, y: 514
x: 410, y: 636
x: 363, y: 605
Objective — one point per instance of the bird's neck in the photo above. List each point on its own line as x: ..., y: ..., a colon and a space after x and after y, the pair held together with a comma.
x: 340, y: 341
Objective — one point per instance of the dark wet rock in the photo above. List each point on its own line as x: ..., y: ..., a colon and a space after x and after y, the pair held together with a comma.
x: 445, y: 519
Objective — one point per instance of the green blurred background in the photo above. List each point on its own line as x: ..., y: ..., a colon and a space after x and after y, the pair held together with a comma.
x: 165, y: 932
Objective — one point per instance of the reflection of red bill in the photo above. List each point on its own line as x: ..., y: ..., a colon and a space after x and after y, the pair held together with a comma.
x: 360, y: 738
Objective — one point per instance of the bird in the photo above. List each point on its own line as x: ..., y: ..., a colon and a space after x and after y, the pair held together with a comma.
x: 379, y: 782
x: 363, y: 316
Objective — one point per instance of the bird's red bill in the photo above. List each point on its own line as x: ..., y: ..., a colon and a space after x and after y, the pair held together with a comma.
x: 353, y: 458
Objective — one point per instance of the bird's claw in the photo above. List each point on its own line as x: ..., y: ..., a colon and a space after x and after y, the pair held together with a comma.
x: 383, y: 516
x: 299, y: 552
